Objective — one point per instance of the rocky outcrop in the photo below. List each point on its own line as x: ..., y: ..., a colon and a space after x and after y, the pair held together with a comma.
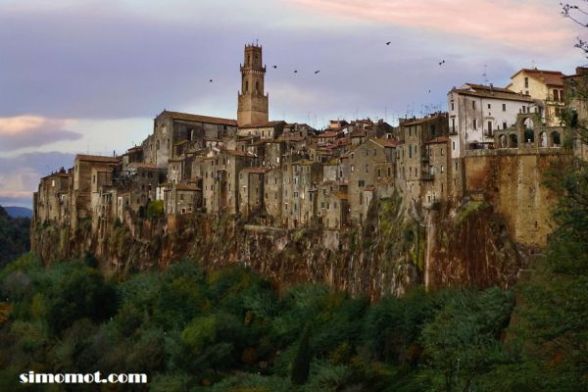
x: 389, y: 254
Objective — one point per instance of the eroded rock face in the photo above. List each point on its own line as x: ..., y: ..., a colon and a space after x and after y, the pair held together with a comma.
x: 389, y: 254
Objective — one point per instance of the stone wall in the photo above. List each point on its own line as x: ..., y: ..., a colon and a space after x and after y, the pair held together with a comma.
x: 512, y: 180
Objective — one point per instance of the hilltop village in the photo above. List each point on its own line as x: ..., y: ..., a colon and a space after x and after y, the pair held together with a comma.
x: 289, y: 175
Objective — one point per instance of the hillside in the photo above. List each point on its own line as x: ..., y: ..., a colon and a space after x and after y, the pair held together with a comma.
x: 14, y: 236
x: 19, y: 212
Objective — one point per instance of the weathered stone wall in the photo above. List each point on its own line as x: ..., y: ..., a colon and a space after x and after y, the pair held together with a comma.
x: 387, y: 256
x: 512, y: 180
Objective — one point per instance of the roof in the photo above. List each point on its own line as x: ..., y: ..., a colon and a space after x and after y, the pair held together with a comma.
x: 439, y: 139
x: 267, y: 124
x: 550, y: 78
x: 186, y: 187
x: 198, y: 118
x: 136, y: 148
x: 142, y: 165
x: 96, y: 158
x: 424, y: 120
x: 238, y: 153
x: 385, y: 142
x: 329, y: 133
x: 257, y: 170
x: 478, y: 90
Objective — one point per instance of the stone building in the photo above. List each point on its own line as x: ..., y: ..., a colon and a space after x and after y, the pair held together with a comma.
x: 253, y: 103
x: 370, y: 165
x: 546, y: 88
x: 413, y: 165
x: 332, y: 205
x: 437, y: 167
x: 51, y: 202
x: 264, y: 131
x: 182, y: 199
x: 90, y: 173
x: 476, y: 112
x: 172, y: 128
x: 273, y: 194
x: 252, y: 182
x: 300, y: 182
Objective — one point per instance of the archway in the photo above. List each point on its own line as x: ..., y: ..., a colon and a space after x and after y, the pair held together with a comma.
x: 555, y: 139
x: 513, y: 141
x: 502, y: 141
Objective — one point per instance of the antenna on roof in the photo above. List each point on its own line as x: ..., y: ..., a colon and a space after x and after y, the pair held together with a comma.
x: 485, y: 74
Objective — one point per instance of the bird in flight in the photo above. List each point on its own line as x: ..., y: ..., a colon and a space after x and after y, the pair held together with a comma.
x: 441, y: 62
x: 275, y: 66
x: 388, y: 43
x: 295, y: 71
x: 317, y: 71
x: 210, y: 81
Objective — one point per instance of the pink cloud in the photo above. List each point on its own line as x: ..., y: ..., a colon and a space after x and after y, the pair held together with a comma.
x: 513, y: 23
x: 33, y: 131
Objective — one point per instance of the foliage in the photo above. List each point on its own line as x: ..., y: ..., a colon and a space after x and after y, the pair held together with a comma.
x: 14, y: 236
x: 301, y: 365
x: 230, y: 330
x: 155, y: 209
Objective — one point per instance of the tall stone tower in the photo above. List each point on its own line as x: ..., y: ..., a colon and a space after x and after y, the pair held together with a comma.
x: 253, y: 102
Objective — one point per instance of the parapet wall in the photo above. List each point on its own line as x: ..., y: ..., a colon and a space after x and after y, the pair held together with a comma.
x: 512, y: 180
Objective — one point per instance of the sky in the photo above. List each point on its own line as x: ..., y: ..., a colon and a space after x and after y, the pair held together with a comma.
x: 86, y: 76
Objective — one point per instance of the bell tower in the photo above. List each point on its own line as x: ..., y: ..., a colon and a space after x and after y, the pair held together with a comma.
x: 253, y: 102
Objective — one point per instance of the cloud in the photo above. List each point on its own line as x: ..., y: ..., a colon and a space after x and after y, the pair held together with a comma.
x: 20, y: 175
x: 33, y: 131
x: 527, y: 25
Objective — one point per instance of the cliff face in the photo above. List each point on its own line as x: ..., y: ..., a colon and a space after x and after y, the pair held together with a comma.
x: 467, y: 246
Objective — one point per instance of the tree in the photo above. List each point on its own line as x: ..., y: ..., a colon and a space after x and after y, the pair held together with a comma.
x: 301, y: 365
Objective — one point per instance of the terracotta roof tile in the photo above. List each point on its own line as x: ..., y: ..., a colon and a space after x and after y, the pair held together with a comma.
x: 198, y: 118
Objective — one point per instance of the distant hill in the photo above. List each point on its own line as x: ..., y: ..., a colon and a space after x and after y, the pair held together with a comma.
x: 14, y: 236
x: 19, y: 212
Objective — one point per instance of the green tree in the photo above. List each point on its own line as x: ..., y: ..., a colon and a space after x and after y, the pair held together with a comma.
x: 301, y: 364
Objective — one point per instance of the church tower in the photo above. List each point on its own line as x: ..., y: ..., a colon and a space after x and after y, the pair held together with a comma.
x: 253, y: 102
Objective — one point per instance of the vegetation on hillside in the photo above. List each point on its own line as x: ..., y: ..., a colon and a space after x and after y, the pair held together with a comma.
x: 231, y: 330
x: 14, y: 236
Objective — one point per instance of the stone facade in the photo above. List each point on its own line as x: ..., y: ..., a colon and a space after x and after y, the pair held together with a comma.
x: 290, y: 176
x: 253, y: 102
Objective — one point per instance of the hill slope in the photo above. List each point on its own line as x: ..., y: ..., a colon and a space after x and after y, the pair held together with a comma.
x: 14, y: 236
x: 19, y: 212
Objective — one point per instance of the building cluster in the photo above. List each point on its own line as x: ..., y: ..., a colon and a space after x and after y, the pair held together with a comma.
x: 291, y: 175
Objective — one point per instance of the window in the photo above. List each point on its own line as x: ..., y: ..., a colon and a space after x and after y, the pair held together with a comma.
x: 474, y: 124
x: 361, y: 183
x: 556, y: 95
x: 453, y: 124
x: 474, y: 105
x: 452, y: 105
x: 442, y: 169
x: 526, y: 82
x: 453, y: 146
x: 489, y: 128
x: 489, y: 106
x: 504, y: 107
x: 504, y: 125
